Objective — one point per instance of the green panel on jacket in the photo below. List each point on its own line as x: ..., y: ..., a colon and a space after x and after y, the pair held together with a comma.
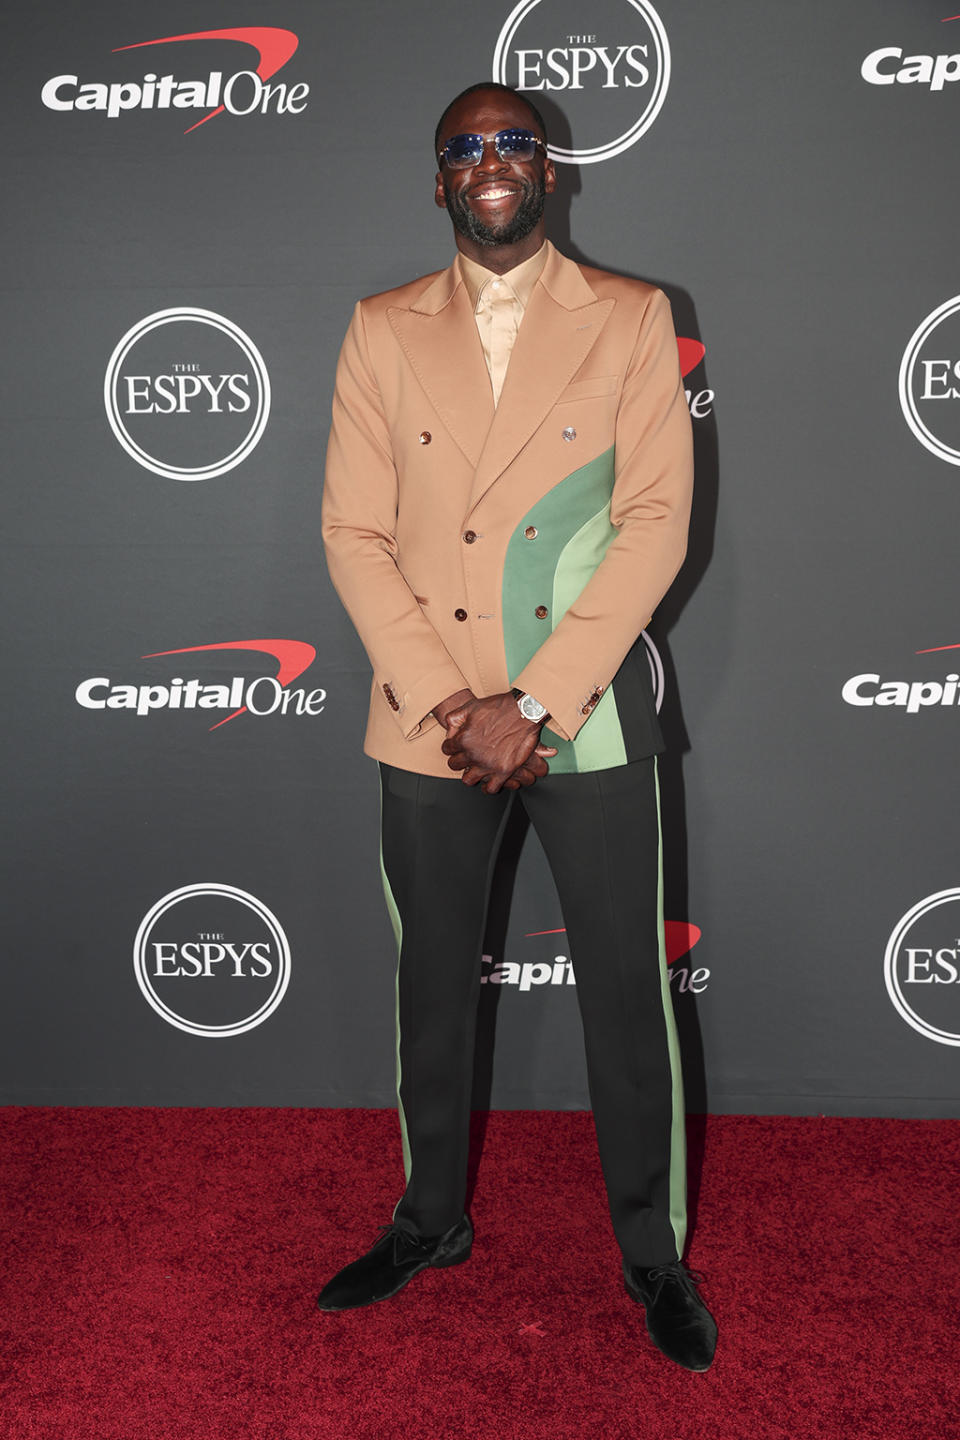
x: 573, y: 530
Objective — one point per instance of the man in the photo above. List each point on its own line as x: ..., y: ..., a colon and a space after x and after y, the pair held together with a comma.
x: 507, y: 499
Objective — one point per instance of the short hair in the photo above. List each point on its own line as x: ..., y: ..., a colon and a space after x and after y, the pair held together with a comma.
x: 488, y: 85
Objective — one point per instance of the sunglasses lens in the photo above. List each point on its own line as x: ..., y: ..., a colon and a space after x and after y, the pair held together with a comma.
x: 516, y: 145
x: 463, y: 151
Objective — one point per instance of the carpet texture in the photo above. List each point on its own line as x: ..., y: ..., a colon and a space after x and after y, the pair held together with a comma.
x: 161, y: 1266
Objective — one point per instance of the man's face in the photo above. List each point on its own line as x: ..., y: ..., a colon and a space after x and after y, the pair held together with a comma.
x: 495, y: 202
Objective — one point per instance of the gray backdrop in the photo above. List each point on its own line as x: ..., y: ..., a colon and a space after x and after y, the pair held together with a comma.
x: 194, y: 912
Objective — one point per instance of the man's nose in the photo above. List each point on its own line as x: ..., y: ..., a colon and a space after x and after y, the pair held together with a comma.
x: 490, y: 160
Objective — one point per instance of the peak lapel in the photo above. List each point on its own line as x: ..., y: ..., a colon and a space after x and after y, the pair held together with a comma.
x: 439, y: 337
x: 562, y: 322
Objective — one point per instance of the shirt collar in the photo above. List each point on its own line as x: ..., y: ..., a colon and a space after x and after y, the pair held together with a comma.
x: 521, y: 279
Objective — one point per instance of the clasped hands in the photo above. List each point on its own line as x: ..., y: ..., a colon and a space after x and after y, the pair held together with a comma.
x: 491, y: 743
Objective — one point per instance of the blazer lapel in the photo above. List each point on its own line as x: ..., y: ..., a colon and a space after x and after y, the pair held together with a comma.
x: 563, y: 321
x: 438, y: 335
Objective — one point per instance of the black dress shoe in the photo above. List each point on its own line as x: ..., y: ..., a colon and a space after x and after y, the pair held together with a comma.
x: 678, y: 1322
x: 396, y: 1257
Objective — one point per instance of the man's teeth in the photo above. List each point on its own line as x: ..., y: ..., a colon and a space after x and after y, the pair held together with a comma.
x: 494, y: 194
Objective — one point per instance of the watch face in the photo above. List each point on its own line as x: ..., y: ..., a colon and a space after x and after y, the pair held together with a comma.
x: 532, y: 709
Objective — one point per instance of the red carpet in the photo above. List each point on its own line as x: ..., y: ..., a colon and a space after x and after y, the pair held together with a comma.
x: 160, y: 1268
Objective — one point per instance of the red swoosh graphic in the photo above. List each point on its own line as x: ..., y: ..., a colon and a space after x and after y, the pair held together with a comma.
x: 293, y: 657
x: 933, y: 650
x: 679, y: 937
x: 273, y: 46
x: 691, y: 353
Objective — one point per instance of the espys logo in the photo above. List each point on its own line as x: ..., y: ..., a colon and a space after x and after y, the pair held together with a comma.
x: 212, y: 960
x: 910, y: 696
x: 890, y: 66
x: 930, y: 381
x: 187, y: 394
x: 679, y: 940
x: 691, y: 353
x: 614, y: 71
x: 656, y: 669
x: 921, y: 967
x: 245, y: 92
x: 264, y: 695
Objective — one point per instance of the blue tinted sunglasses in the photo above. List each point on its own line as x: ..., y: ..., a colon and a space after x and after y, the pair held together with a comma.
x: 462, y: 151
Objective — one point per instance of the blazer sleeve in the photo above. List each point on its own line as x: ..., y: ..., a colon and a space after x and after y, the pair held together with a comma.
x: 650, y: 508
x: 413, y: 669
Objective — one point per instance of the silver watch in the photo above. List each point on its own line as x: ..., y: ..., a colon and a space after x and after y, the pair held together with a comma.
x: 531, y: 709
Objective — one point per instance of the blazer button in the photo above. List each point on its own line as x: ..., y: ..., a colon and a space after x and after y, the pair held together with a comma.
x: 459, y: 614
x: 425, y: 437
x: 469, y: 536
x: 567, y: 433
x: 530, y: 533
x: 541, y: 612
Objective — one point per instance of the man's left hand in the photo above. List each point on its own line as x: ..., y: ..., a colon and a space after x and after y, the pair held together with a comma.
x: 494, y: 746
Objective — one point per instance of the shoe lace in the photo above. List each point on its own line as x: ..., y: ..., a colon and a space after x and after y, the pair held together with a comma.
x: 678, y: 1272
x: 402, y: 1237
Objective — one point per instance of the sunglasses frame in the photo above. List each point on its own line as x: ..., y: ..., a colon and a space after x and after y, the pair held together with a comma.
x: 490, y: 139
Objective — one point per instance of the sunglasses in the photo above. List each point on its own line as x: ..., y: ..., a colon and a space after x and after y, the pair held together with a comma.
x: 463, y: 151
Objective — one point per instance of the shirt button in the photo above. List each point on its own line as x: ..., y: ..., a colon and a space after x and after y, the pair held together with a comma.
x: 425, y: 437
x: 541, y: 612
x: 567, y: 433
x: 469, y: 536
x: 531, y: 532
x: 459, y: 614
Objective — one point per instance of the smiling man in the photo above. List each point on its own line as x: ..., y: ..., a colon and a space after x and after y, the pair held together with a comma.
x: 507, y: 499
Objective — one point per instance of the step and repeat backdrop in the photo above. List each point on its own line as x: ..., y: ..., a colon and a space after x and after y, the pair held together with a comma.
x: 195, y: 196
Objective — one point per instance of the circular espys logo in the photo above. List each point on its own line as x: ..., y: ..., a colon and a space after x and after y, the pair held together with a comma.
x: 656, y: 669
x: 613, y: 68
x: 212, y: 960
x: 187, y: 394
x: 930, y: 382
x: 922, y: 967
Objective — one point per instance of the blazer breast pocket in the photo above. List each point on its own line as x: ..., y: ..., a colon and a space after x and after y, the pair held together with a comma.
x: 591, y: 389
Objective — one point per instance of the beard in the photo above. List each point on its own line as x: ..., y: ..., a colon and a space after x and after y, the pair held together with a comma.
x: 526, y: 217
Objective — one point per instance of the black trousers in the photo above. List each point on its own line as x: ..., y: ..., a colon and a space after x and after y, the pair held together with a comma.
x: 601, y: 834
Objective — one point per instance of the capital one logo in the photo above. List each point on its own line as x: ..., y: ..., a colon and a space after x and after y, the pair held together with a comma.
x: 910, y: 696
x: 263, y: 695
x: 610, y: 59
x: 889, y: 65
x: 245, y: 92
x: 699, y: 402
x: 921, y: 967
x: 187, y: 394
x: 212, y: 960
x: 929, y: 383
x: 679, y: 940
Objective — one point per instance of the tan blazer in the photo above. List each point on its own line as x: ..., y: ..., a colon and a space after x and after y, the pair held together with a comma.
x: 527, y: 545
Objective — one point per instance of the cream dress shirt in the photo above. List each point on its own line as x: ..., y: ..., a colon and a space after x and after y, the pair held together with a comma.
x: 499, y: 302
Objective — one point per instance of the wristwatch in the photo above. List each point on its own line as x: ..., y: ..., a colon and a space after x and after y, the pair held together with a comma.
x: 530, y: 708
